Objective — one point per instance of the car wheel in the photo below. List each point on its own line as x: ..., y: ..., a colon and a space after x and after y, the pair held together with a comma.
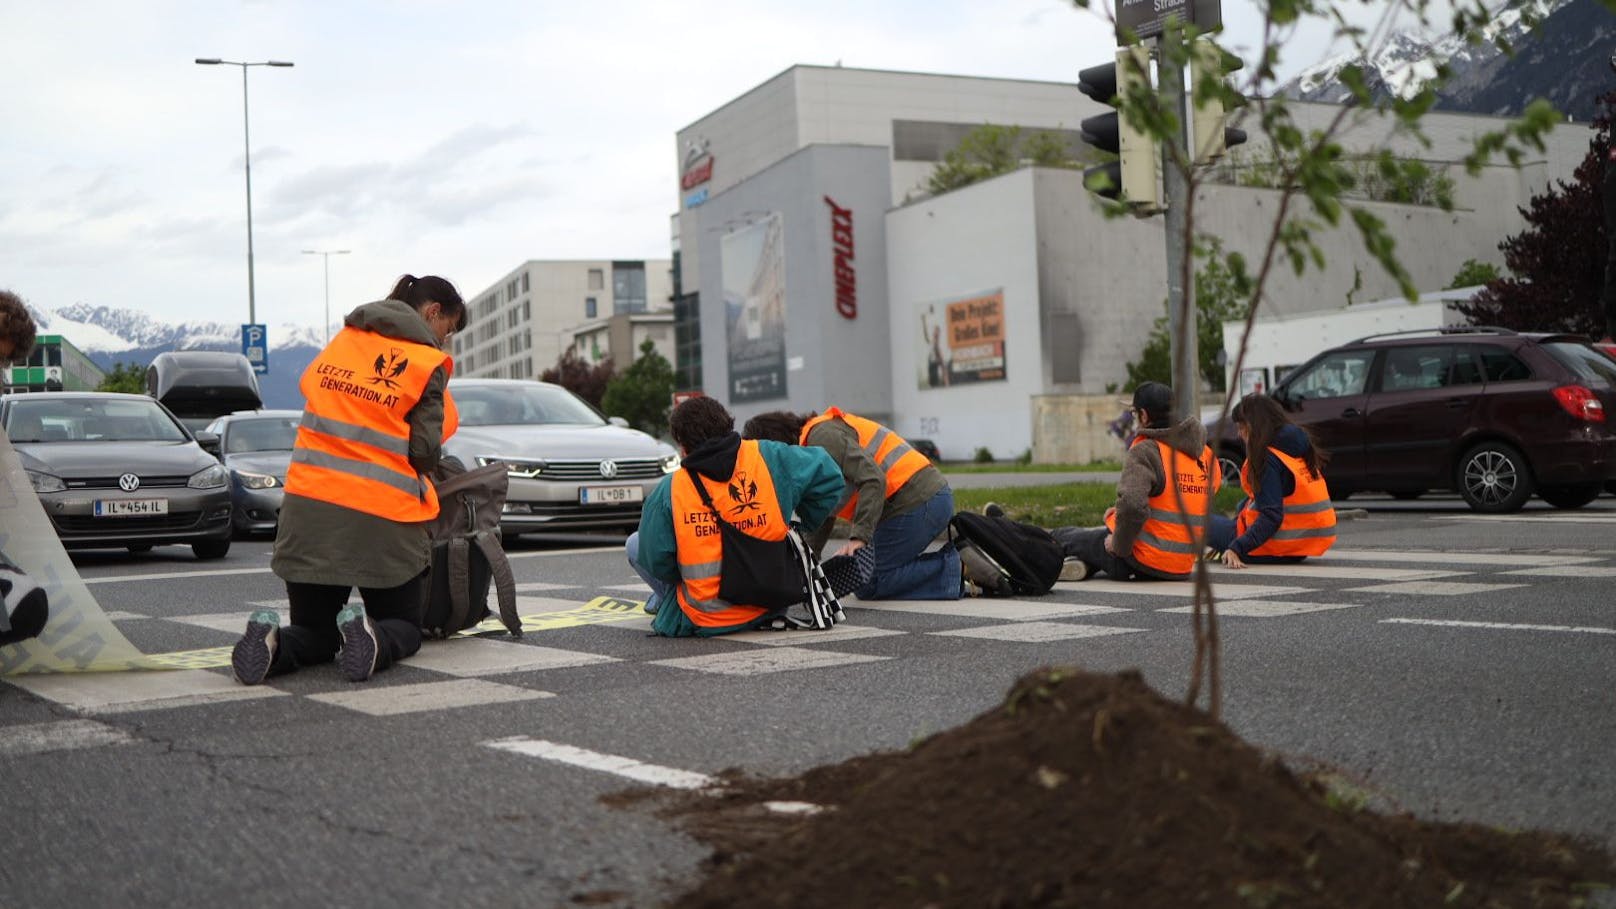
x: 1407, y: 495
x: 1229, y: 461
x: 211, y: 549
x: 1493, y: 478
x: 1573, y: 495
x: 140, y: 547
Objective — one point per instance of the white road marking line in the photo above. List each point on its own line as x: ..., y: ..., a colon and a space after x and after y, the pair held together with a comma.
x: 171, y: 575
x: 1481, y: 559
x: 1223, y: 591
x: 468, y: 656
x: 1036, y: 632
x: 127, y: 692
x: 563, y: 553
x: 983, y: 608
x: 604, y: 763
x: 64, y: 735
x: 1568, y: 571
x: 538, y: 586
x: 232, y: 622
x: 1259, y: 609
x: 1560, y: 518
x: 118, y: 615
x: 1333, y: 572
x: 842, y: 632
x: 1502, y: 626
x: 767, y: 659
x: 390, y: 700
x: 1434, y: 588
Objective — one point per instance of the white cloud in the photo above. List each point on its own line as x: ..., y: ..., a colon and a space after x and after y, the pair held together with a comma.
x: 425, y: 136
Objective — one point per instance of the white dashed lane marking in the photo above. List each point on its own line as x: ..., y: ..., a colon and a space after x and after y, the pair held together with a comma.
x: 1038, y: 632
x: 983, y: 608
x: 1501, y: 626
x: 604, y: 763
x: 124, y: 692
x: 1433, y: 588
x: 1260, y: 609
x: 476, y: 657
x: 766, y: 660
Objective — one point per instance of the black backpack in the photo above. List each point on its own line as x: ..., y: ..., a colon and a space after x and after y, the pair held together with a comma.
x: 1005, y: 557
x: 466, y: 555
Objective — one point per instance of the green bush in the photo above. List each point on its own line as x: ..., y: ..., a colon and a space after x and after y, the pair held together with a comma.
x: 983, y: 456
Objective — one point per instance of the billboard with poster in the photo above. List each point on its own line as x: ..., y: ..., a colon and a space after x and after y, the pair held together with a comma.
x: 754, y: 278
x: 962, y: 340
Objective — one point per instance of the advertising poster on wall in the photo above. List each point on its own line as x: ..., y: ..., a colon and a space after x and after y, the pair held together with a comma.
x: 754, y: 277
x: 962, y: 341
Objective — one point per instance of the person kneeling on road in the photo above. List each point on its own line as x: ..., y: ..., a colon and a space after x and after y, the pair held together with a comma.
x: 1287, y: 515
x: 898, y: 502
x: 755, y: 486
x: 1163, y: 496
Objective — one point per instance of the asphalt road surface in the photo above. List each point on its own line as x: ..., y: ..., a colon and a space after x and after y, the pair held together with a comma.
x: 1460, y: 666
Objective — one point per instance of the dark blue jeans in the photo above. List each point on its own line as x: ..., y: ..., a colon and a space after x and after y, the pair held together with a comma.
x: 904, y: 570
x: 1222, y: 533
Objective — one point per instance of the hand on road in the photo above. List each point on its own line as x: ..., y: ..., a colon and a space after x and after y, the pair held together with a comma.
x: 1232, y: 560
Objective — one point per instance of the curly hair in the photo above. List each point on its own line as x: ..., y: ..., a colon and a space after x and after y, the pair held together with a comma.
x: 16, y: 325
x: 778, y: 425
x: 697, y: 420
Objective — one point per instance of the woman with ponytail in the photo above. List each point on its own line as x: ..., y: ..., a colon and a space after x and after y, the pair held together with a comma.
x: 358, y: 491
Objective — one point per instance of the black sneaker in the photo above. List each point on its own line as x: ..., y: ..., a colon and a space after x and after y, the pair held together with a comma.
x: 255, y: 652
x: 358, y: 657
x: 993, y: 510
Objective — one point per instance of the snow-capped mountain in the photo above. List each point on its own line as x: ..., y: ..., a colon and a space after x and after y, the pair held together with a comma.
x: 110, y: 336
x: 1560, y: 53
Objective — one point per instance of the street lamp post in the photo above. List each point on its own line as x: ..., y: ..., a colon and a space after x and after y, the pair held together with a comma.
x: 252, y: 300
x: 326, y: 254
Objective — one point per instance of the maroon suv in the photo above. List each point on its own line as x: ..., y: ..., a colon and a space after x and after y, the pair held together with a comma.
x: 1494, y: 414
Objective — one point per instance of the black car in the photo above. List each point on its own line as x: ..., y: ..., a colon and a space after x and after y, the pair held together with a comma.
x: 1494, y: 414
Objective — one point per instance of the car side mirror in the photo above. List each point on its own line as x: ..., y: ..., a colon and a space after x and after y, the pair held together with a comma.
x: 209, y: 441
x: 618, y: 421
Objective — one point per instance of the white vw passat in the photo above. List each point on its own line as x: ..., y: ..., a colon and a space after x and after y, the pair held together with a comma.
x: 570, y: 468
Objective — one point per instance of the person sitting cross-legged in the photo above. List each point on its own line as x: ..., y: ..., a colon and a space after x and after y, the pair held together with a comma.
x: 754, y: 486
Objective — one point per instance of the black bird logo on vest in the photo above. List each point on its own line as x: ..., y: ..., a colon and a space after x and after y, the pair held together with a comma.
x: 390, y: 366
x: 743, y: 490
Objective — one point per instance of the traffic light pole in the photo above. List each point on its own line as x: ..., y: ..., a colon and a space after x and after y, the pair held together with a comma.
x: 1175, y: 198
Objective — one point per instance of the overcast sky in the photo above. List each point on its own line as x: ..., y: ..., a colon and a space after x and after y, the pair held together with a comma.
x: 456, y: 138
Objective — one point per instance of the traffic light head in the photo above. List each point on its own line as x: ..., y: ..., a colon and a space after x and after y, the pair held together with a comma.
x: 1132, y: 177
x: 1210, y: 96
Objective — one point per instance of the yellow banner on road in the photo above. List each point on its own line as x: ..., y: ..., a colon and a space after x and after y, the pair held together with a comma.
x: 78, y: 636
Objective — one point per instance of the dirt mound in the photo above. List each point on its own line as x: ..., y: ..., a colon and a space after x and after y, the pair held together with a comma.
x: 1093, y: 790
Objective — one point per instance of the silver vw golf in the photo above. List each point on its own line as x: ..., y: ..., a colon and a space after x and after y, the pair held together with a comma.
x: 570, y: 468
x: 118, y: 470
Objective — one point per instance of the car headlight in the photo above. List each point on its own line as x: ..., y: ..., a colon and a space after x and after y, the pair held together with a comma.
x: 670, y: 463
x: 211, y: 477
x: 527, y: 470
x: 257, y: 480
x: 44, y: 482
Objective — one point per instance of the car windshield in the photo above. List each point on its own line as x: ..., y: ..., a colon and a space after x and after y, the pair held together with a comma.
x: 1591, y: 366
x: 49, y: 419
x: 521, y: 404
x: 260, y: 434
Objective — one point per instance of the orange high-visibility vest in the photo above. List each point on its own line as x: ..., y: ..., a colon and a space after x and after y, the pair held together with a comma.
x: 1308, y: 526
x: 746, y: 500
x: 1165, y: 544
x: 890, y: 452
x: 353, y: 444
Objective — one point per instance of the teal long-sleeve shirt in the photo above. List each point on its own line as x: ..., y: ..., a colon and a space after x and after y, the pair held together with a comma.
x: 806, y: 481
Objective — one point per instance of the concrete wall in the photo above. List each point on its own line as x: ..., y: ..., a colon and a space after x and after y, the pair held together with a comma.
x: 830, y: 359
x: 975, y: 240
x: 1075, y: 429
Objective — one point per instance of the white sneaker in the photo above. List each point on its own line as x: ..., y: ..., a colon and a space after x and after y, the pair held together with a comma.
x: 1074, y: 570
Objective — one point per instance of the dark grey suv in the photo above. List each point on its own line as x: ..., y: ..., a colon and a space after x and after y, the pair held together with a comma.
x: 1494, y: 414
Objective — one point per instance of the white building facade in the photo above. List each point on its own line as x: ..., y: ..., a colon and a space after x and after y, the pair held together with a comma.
x: 817, y: 270
x: 521, y: 325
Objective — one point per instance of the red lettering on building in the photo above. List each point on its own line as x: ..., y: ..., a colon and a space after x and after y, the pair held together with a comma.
x: 697, y: 174
x: 841, y: 241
